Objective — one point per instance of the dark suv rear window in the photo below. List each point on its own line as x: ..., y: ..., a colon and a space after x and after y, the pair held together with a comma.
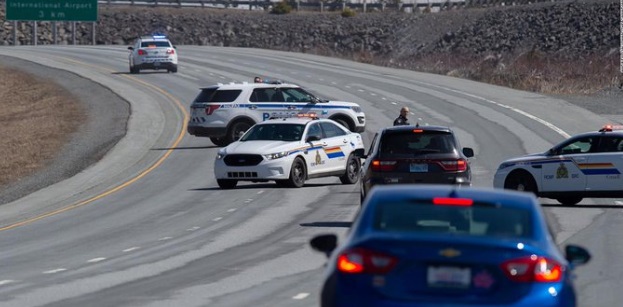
x: 215, y: 95
x: 477, y: 220
x: 400, y: 143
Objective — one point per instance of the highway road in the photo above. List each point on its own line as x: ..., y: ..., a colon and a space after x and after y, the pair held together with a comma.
x: 148, y: 225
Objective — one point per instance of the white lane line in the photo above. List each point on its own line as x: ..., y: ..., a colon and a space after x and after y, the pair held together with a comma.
x: 133, y: 248
x: 222, y: 77
x: 373, y: 94
x: 260, y: 192
x: 248, y: 200
x: 94, y: 260
x: 6, y: 282
x: 217, y: 219
x: 321, y: 79
x: 193, y: 228
x: 300, y: 296
x: 232, y: 210
x: 383, y: 98
x: 360, y: 90
x: 308, y: 76
x: 165, y: 238
x: 333, y: 83
x: 347, y: 86
x: 394, y: 103
x: 55, y: 271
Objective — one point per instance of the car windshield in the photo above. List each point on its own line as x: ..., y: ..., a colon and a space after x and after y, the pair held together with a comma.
x: 409, y: 143
x: 480, y: 219
x: 274, y: 132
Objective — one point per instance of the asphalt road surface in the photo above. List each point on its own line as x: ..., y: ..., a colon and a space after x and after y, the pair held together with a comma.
x: 147, y: 225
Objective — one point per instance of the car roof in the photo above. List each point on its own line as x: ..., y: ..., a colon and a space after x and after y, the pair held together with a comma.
x: 247, y: 85
x: 412, y: 127
x: 505, y: 198
x: 292, y: 120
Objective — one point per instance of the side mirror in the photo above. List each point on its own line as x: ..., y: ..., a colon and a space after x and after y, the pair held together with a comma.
x: 130, y: 48
x: 324, y: 243
x: 551, y: 152
x: 468, y: 152
x: 577, y: 255
x: 312, y: 138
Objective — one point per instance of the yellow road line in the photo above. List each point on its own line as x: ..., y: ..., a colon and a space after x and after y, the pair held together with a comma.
x: 127, y: 183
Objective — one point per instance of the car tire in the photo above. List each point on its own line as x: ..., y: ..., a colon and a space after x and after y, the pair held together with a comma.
x: 173, y: 69
x: 569, y: 201
x: 353, y: 170
x: 226, y: 183
x: 218, y: 141
x: 235, y: 130
x: 298, y: 173
x: 344, y: 122
x: 520, y: 181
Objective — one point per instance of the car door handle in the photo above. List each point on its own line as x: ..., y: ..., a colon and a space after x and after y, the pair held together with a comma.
x: 345, y: 141
x: 537, y: 165
x: 580, y: 159
x: 291, y: 107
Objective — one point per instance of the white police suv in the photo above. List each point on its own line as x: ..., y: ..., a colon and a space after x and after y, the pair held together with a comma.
x: 223, y: 112
x: 290, y: 151
x: 585, y: 165
x: 152, y: 52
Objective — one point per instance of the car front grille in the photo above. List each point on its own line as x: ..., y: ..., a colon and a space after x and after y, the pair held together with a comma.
x: 242, y: 160
x: 241, y: 174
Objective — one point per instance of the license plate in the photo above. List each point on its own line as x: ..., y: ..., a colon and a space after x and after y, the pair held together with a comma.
x: 444, y: 276
x: 418, y: 168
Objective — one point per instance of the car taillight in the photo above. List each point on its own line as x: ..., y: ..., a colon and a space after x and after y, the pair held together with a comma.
x: 211, y: 108
x: 142, y: 52
x: 383, y: 166
x: 459, y: 165
x: 170, y: 51
x: 533, y: 269
x: 450, y: 201
x: 359, y: 260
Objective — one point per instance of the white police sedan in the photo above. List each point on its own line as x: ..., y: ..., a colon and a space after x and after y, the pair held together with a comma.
x: 585, y: 165
x: 290, y: 151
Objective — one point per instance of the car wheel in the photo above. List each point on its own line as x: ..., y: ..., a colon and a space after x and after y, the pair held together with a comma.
x: 298, y: 174
x: 351, y: 175
x: 569, y: 201
x: 236, y: 130
x: 227, y: 183
x: 520, y: 181
x: 218, y: 141
x: 342, y: 121
x: 173, y: 69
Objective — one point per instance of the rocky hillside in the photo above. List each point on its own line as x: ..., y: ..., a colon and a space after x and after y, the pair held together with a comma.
x: 566, y: 28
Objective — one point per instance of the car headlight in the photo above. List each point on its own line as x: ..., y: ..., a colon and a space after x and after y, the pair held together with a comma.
x: 276, y: 155
x: 220, y: 155
x: 356, y: 109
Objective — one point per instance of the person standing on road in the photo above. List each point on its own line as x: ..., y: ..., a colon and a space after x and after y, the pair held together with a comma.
x: 402, y: 120
x: 258, y: 80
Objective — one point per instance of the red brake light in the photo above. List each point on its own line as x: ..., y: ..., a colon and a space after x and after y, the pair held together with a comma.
x: 211, y: 108
x: 170, y: 51
x: 359, y: 260
x: 418, y: 130
x: 449, y: 201
x: 459, y: 165
x: 383, y: 166
x: 533, y: 269
x: 142, y: 52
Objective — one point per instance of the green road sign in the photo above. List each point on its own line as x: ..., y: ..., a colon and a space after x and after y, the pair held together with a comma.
x: 52, y: 10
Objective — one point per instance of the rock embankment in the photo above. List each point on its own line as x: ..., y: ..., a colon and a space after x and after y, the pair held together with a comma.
x: 566, y: 28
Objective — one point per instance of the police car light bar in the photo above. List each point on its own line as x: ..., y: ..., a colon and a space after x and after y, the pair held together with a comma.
x: 159, y: 36
x: 610, y: 128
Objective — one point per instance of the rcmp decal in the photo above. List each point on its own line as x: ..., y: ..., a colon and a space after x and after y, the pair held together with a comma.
x: 562, y: 171
x: 334, y: 152
x: 318, y: 159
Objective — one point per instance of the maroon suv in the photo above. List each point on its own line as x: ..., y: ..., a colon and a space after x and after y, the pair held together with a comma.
x: 418, y: 155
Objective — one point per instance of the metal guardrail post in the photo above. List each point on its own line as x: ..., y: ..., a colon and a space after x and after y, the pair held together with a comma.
x: 93, y: 33
x: 15, y: 33
x: 34, y: 33
x: 73, y: 32
x: 54, y: 32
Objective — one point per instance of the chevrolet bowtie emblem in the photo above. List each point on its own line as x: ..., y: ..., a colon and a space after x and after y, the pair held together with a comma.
x: 449, y: 252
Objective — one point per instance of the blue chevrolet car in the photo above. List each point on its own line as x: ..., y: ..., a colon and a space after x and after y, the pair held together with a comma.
x: 441, y: 245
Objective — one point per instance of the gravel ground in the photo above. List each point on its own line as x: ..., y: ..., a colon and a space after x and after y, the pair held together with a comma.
x: 106, y: 124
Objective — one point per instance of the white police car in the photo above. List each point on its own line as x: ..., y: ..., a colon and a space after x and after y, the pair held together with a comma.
x: 290, y: 151
x: 223, y: 112
x: 585, y: 165
x: 152, y: 52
